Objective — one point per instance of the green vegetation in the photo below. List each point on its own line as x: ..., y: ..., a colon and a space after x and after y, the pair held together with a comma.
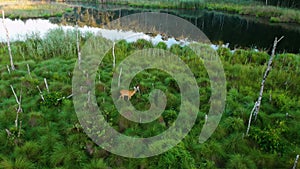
x: 51, y: 136
x: 28, y: 9
x: 272, y: 13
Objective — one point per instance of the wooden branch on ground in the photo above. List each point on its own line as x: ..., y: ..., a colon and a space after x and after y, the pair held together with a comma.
x: 8, y: 42
x: 256, y: 107
x: 65, y: 97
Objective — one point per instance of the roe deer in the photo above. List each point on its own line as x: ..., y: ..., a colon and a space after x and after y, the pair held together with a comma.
x: 128, y: 93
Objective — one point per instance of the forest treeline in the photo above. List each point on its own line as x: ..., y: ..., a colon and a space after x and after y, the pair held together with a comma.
x: 279, y: 3
x: 49, y: 135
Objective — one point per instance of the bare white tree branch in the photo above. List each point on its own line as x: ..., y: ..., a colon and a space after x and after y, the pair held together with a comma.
x: 8, y: 69
x: 20, y: 127
x: 78, y: 45
x: 296, y: 161
x: 46, y: 84
x: 41, y: 94
x: 16, y: 97
x: 119, y: 79
x: 256, y: 107
x: 18, y: 100
x: 89, y: 97
x: 8, y: 132
x: 65, y: 97
x: 8, y: 42
x: 114, y: 56
x: 28, y: 70
x: 250, y: 119
x: 256, y: 111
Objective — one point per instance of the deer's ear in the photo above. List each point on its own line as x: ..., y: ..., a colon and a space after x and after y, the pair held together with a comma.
x: 134, y: 88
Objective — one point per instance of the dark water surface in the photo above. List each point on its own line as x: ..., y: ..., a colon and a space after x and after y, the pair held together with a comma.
x: 238, y: 31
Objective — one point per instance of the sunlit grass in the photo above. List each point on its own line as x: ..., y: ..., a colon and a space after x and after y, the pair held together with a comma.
x: 26, y: 9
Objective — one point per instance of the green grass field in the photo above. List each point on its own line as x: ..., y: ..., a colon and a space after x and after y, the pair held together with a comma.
x: 50, y: 136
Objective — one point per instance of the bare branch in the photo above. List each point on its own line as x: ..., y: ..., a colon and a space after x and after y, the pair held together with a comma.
x: 119, y: 80
x: 18, y: 100
x: 78, y: 45
x: 8, y: 69
x: 250, y: 119
x: 8, y: 132
x: 28, y: 70
x: 12, y: 88
x: 114, y: 56
x: 256, y: 106
x: 40, y: 93
x: 8, y: 42
x: 20, y: 127
x: 296, y: 161
x: 46, y: 84
x: 256, y: 111
x: 65, y: 97
x: 89, y: 97
x: 69, y: 96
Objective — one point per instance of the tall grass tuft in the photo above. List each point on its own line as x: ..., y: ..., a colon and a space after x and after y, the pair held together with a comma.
x: 56, y: 43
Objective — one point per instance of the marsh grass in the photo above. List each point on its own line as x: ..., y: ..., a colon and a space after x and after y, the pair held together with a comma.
x: 28, y: 9
x: 51, y: 128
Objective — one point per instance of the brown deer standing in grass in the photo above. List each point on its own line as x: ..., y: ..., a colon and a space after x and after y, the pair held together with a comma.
x: 129, y: 93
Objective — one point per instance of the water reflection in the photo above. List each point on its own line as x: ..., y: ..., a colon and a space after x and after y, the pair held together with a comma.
x: 19, y: 31
x: 238, y: 31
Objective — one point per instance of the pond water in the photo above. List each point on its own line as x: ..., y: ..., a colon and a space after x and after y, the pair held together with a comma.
x: 237, y: 31
x: 19, y: 30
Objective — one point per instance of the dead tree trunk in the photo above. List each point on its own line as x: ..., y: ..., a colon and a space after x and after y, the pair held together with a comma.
x: 28, y: 70
x: 41, y: 94
x: 46, y: 84
x: 8, y: 43
x: 250, y: 119
x: 256, y: 107
x: 114, y: 56
x: 296, y: 161
x: 78, y: 45
x: 19, y: 110
x: 119, y: 79
x: 8, y: 69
